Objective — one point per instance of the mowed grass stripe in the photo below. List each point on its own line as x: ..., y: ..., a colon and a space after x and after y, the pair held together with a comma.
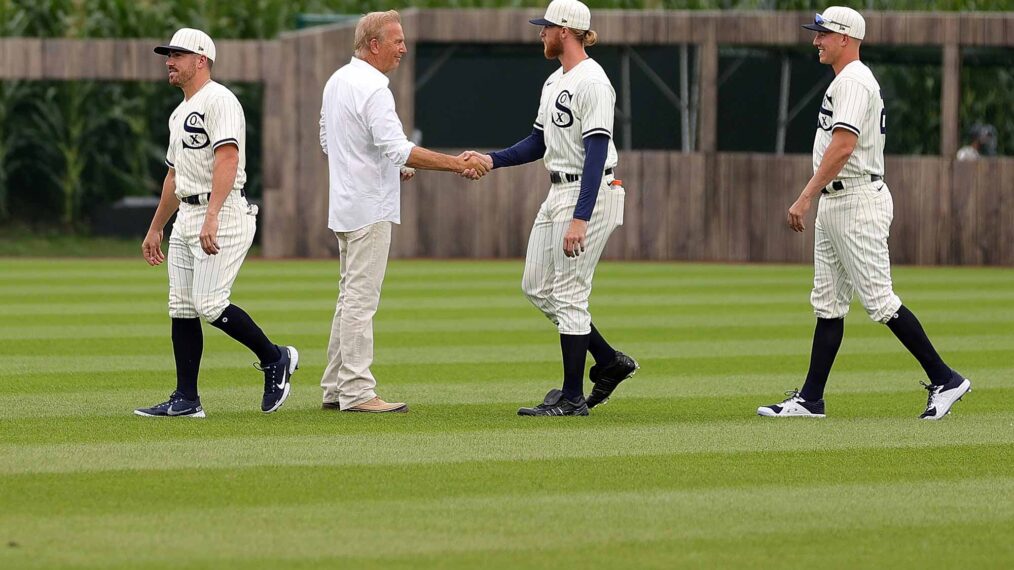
x: 522, y: 444
x: 59, y: 305
x: 449, y: 526
x: 724, y: 340
x: 256, y: 486
x: 156, y: 325
x: 233, y: 372
x: 241, y: 418
x: 102, y: 356
x: 219, y: 396
x: 85, y: 289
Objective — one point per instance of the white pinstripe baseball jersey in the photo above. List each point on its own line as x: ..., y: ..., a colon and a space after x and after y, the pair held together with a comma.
x: 853, y: 101
x: 211, y: 118
x: 575, y: 105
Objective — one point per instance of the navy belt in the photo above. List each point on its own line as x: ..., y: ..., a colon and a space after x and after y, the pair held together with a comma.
x: 560, y: 177
x: 196, y: 198
x: 839, y: 185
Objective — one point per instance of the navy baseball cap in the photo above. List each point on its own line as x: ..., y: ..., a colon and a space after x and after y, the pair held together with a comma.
x: 839, y: 20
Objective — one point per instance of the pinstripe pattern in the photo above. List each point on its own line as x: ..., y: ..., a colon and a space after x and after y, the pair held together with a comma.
x: 200, y: 284
x: 853, y: 102
x: 850, y: 252
x: 558, y: 285
x: 574, y: 105
x: 209, y: 119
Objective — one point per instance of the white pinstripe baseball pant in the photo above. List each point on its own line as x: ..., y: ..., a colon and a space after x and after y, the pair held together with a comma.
x: 850, y: 253
x: 200, y: 284
x: 558, y: 285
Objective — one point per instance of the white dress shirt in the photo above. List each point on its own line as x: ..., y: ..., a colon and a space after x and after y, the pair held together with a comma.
x: 365, y: 145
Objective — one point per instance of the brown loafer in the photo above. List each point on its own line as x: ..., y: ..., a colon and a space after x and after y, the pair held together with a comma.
x: 330, y: 406
x: 378, y: 406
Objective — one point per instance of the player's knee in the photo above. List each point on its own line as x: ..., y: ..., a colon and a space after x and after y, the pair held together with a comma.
x: 535, y: 295
x: 574, y: 323
x: 180, y: 306
x: 182, y: 312
x: 882, y: 312
x: 210, y: 307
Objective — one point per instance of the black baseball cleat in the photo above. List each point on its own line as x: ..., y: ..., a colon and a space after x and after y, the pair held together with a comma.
x: 608, y: 376
x: 941, y: 398
x: 793, y: 407
x: 556, y: 405
x: 276, y: 379
x: 176, y: 407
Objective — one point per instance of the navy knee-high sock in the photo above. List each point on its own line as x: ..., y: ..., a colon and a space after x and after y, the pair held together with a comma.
x: 909, y: 331
x: 599, y: 348
x: 237, y: 324
x: 575, y: 350
x: 827, y: 337
x: 188, y: 346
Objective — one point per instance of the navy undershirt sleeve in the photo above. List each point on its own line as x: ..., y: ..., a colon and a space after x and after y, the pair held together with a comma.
x: 596, y: 147
x: 526, y: 150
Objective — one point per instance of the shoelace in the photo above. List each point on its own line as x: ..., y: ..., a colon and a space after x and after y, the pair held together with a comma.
x: 270, y: 375
x: 933, y: 393
x: 792, y: 395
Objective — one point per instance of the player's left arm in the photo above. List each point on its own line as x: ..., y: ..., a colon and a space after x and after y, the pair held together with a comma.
x: 223, y: 176
x: 596, y: 148
x: 594, y: 106
x: 224, y: 125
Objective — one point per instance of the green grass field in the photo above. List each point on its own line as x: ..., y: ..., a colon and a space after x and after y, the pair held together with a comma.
x: 676, y: 471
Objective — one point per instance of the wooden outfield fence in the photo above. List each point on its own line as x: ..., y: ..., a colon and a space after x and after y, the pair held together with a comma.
x: 704, y: 205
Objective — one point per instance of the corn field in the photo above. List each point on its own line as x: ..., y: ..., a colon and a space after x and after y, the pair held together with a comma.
x: 68, y: 147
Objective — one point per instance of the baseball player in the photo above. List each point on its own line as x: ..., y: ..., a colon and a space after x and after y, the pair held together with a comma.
x: 213, y: 230
x: 573, y: 135
x: 853, y: 223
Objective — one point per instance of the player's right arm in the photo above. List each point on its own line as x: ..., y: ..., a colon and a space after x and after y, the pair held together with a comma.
x: 151, y: 247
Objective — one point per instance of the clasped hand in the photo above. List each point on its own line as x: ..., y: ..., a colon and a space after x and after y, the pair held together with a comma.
x: 477, y: 164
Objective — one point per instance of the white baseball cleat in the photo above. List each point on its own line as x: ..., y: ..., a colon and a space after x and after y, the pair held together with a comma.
x: 941, y: 398
x: 793, y: 407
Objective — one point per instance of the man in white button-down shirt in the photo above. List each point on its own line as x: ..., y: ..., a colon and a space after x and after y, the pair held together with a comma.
x: 368, y: 154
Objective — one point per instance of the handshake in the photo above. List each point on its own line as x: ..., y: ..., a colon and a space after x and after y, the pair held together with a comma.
x: 474, y: 165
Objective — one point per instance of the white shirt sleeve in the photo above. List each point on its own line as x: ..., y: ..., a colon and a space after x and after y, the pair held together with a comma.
x: 386, y: 128
x: 225, y: 121
x: 851, y: 102
x: 323, y: 128
x: 594, y: 106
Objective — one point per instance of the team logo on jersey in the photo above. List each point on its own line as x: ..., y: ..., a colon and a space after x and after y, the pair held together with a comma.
x: 824, y: 119
x: 562, y: 116
x: 196, y: 137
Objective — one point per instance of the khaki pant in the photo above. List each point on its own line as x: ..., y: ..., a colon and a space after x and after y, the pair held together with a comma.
x: 363, y: 262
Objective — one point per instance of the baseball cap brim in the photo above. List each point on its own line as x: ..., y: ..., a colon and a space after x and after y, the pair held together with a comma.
x: 819, y: 28
x: 542, y: 22
x: 164, y: 50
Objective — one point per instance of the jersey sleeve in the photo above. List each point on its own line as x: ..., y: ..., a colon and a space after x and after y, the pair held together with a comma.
x: 170, y: 151
x: 851, y: 103
x: 225, y: 121
x: 594, y: 105
x: 543, y: 116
